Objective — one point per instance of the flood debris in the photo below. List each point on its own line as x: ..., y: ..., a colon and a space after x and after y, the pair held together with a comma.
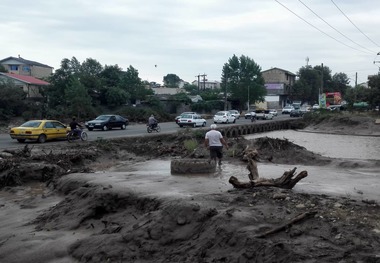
x: 288, y: 180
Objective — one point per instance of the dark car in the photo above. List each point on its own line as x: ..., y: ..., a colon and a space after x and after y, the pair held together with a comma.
x: 107, y: 122
x: 296, y: 113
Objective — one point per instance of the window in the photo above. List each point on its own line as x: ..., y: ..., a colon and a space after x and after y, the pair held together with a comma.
x: 25, y: 68
x: 48, y: 125
x: 13, y: 67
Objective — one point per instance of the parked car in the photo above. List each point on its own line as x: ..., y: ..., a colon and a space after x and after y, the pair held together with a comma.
x: 250, y: 114
x: 235, y: 113
x: 192, y: 120
x: 273, y: 112
x: 224, y: 117
x: 287, y: 109
x: 264, y: 115
x: 183, y: 113
x: 296, y: 113
x: 40, y: 131
x: 107, y: 122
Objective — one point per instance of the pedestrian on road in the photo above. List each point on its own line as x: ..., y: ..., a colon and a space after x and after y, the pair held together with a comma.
x: 214, y: 141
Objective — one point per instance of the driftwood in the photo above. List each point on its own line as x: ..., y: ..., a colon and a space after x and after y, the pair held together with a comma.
x: 288, y: 180
x: 288, y: 224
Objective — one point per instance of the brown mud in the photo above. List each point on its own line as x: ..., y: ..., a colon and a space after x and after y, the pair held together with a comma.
x: 58, y: 206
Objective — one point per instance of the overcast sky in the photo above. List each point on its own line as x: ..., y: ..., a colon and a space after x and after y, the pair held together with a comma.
x: 191, y: 37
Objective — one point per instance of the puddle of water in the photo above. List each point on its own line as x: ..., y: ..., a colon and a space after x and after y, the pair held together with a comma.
x: 153, y: 177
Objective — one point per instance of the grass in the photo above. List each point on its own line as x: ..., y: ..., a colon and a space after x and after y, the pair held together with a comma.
x: 190, y: 145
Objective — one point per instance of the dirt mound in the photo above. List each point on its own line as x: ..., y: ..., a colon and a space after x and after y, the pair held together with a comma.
x: 347, y: 124
x: 228, y: 227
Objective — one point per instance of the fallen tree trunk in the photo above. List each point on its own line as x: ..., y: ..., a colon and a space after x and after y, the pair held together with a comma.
x: 288, y: 224
x: 288, y: 180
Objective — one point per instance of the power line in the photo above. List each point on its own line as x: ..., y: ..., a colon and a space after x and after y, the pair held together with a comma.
x: 319, y: 29
x: 354, y: 24
x: 335, y: 28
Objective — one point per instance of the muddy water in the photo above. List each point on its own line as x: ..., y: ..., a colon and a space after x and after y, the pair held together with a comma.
x: 330, y: 145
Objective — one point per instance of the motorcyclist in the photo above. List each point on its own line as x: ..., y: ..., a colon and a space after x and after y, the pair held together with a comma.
x: 75, y: 126
x: 152, y: 122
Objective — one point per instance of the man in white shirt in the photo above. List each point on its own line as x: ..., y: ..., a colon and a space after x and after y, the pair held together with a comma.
x: 214, y: 141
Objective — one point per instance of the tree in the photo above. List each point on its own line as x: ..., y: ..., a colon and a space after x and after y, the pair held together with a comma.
x: 12, y: 99
x: 339, y: 83
x: 172, y: 81
x: 78, y: 100
x: 116, y: 96
x: 241, y: 77
x: 192, y: 89
x: 132, y: 84
x: 374, y: 91
x: 2, y: 69
x: 311, y: 83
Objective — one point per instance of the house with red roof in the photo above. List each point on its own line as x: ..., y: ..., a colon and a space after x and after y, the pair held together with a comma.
x: 29, y: 84
x: 21, y: 66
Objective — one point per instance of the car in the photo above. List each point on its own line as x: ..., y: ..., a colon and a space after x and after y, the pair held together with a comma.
x: 296, y: 113
x: 235, y: 113
x: 287, y: 109
x: 273, y: 112
x: 315, y: 107
x: 264, y: 115
x: 250, y: 114
x: 193, y: 120
x: 107, y: 122
x: 40, y: 131
x: 224, y: 117
x: 183, y: 113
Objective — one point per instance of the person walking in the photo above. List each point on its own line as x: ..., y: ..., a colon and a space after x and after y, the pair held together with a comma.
x: 214, y: 141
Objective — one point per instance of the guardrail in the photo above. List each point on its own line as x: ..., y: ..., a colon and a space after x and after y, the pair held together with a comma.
x: 256, y: 127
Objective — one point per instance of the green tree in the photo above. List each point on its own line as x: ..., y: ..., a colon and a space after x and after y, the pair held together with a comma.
x: 12, y: 99
x: 133, y: 85
x: 171, y: 81
x: 374, y: 91
x: 339, y: 83
x: 78, y: 100
x: 116, y: 96
x: 310, y: 83
x: 89, y: 76
x: 192, y: 89
x: 2, y: 69
x: 241, y: 77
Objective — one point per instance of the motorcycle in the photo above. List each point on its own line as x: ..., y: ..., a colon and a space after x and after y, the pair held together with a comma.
x: 253, y: 118
x: 76, y: 135
x: 149, y: 128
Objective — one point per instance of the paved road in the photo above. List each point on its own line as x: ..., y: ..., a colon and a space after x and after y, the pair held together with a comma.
x: 132, y: 130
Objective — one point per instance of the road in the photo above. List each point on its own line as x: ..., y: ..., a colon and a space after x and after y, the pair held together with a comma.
x: 132, y: 130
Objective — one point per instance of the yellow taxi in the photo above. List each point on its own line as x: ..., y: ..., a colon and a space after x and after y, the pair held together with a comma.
x: 40, y: 131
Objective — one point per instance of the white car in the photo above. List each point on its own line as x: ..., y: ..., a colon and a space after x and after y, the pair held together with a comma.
x: 193, y: 120
x: 287, y: 109
x: 224, y: 117
x: 249, y: 115
x: 264, y: 115
x: 273, y: 112
x: 235, y: 113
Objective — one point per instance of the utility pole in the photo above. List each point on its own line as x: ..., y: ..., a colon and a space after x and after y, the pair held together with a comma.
x: 199, y: 81
x: 356, y: 79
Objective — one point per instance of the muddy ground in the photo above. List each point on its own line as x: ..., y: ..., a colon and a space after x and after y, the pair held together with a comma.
x: 80, y: 205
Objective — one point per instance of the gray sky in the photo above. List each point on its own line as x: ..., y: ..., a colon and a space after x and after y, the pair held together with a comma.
x: 191, y: 37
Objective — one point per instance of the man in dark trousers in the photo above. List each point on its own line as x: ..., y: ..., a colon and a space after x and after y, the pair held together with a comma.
x: 214, y: 141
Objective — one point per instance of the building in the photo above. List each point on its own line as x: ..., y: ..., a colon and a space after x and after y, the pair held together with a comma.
x: 205, y: 84
x: 278, y: 83
x: 30, y: 85
x: 20, y: 66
